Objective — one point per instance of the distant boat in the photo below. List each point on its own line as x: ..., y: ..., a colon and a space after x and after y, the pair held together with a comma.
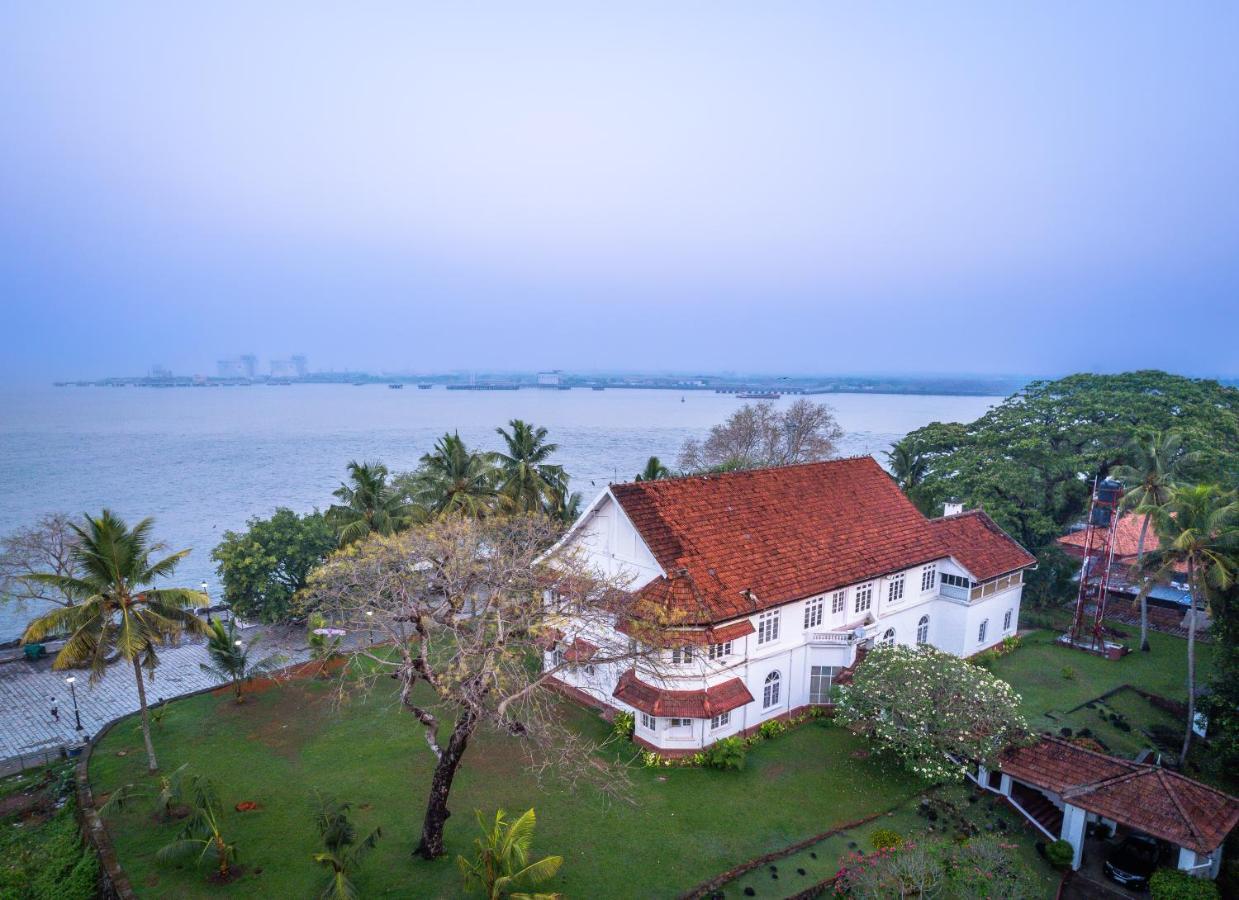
x: 597, y: 387
x: 396, y: 386
x: 359, y: 383
x: 759, y: 395
x: 424, y: 387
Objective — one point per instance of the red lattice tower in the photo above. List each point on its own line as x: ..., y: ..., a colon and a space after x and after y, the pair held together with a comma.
x: 1103, y: 520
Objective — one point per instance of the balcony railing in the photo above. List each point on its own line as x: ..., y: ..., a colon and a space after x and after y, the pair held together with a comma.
x: 832, y: 638
x: 955, y: 593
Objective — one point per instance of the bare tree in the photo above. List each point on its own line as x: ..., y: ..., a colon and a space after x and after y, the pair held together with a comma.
x: 45, y: 547
x: 759, y: 435
x: 467, y: 609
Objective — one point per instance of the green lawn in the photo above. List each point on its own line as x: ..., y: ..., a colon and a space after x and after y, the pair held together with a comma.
x: 681, y: 827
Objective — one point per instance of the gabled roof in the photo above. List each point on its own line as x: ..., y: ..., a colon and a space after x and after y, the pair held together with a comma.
x: 1156, y: 801
x: 736, y: 543
x: 976, y: 541
x: 700, y: 704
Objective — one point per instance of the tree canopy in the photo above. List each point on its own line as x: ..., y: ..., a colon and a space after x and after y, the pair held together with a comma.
x: 759, y: 435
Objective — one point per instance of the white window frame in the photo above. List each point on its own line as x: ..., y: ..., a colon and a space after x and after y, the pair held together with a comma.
x: 718, y: 651
x: 557, y: 657
x: 722, y: 720
x: 888, y: 638
x: 929, y: 577
x: 1006, y: 620
x: 768, y: 627
x: 838, y: 602
x: 864, y: 597
x: 982, y: 630
x: 813, y: 610
x: 679, y: 722
x: 770, y: 689
x: 821, y: 680
x: 682, y: 656
x: 649, y: 722
x: 894, y: 588
x: 922, y: 631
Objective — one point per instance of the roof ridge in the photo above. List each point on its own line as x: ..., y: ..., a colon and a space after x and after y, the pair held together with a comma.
x: 755, y: 470
x: 1174, y: 798
x: 1090, y: 787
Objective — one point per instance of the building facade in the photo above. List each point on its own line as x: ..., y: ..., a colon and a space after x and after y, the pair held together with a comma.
x: 757, y: 591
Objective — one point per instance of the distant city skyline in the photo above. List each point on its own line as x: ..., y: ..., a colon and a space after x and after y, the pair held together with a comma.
x: 790, y: 188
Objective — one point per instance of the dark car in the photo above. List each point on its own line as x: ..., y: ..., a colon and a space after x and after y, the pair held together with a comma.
x: 1133, y: 860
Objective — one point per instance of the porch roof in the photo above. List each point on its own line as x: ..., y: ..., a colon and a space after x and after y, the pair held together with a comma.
x: 700, y: 704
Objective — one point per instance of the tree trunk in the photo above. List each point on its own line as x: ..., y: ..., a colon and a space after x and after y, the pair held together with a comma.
x: 437, y: 813
x: 151, y: 764
x: 1191, y: 664
x: 1144, y: 596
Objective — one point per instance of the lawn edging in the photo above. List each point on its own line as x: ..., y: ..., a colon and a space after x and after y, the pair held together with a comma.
x: 701, y: 890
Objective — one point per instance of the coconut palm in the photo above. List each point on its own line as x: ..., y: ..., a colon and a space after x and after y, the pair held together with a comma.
x: 368, y: 504
x: 202, y: 834
x: 527, y: 482
x: 566, y: 508
x: 230, y: 658
x: 654, y: 470
x: 453, y: 480
x: 906, y: 465
x: 1153, y: 465
x: 500, y: 864
x: 118, y: 614
x: 1197, y: 531
x: 344, y: 854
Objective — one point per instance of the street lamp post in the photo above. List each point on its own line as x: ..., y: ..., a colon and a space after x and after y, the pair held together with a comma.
x: 370, y: 623
x: 208, y: 596
x: 77, y: 716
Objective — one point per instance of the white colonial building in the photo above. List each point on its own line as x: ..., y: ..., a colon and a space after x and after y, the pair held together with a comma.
x: 761, y: 589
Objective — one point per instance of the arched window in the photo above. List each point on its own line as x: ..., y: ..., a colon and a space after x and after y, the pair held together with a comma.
x: 922, y: 630
x: 982, y: 629
x: 770, y: 693
x: 888, y: 639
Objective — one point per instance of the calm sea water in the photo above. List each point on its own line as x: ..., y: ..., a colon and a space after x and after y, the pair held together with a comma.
x: 203, y: 460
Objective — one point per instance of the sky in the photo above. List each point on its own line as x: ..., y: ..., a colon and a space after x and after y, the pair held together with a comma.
x: 769, y: 187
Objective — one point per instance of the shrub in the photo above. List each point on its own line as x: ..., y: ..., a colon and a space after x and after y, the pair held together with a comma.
x: 1173, y: 884
x: 886, y: 839
x: 771, y: 728
x: 623, y: 724
x: 1069, y: 674
x: 1060, y: 854
x: 727, y: 754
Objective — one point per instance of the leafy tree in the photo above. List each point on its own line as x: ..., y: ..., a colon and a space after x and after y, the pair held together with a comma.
x: 467, y: 608
x: 1221, y: 703
x: 654, y: 470
x: 1149, y: 471
x: 230, y: 658
x: 567, y: 508
x: 759, y: 435
x: 907, y: 465
x: 47, y: 546
x: 119, y: 615
x: 263, y: 567
x: 921, y: 704
x: 527, y: 482
x: 1030, y: 460
x: 1197, y: 529
x: 343, y: 854
x: 452, y: 480
x: 368, y: 504
x: 202, y: 834
x: 500, y: 866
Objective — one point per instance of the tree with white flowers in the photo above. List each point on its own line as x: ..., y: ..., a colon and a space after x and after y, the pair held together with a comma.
x: 931, y: 709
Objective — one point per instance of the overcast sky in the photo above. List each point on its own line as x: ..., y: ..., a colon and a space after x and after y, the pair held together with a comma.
x: 777, y: 187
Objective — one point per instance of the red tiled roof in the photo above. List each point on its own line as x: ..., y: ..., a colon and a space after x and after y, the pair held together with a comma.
x: 740, y: 542
x: 1126, y: 538
x: 712, y: 701
x: 1150, y: 799
x: 678, y: 637
x: 980, y: 545
x: 579, y: 651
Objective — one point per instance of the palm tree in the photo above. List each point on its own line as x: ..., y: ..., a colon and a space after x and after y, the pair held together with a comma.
x: 202, y: 833
x: 500, y: 865
x: 1154, y: 463
x: 907, y: 465
x: 527, y: 482
x: 368, y: 504
x: 118, y: 616
x: 1196, y: 529
x: 566, y: 508
x: 343, y: 855
x: 230, y: 658
x: 654, y: 470
x: 453, y: 480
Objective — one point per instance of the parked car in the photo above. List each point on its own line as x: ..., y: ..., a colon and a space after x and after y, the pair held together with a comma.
x: 1132, y: 861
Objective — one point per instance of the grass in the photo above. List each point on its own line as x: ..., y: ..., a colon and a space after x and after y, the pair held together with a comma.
x: 682, y: 827
x: 41, y: 852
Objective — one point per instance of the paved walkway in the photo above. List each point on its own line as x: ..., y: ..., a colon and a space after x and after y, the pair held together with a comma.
x: 29, y: 690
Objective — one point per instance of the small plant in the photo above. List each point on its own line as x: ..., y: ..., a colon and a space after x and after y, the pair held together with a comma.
x: 771, y: 728
x: 727, y: 754
x: 169, y: 798
x: 1174, y: 884
x: 202, y: 835
x: 343, y: 854
x: 623, y: 725
x: 500, y: 864
x: 1060, y: 854
x: 1069, y: 674
x: 230, y: 658
x: 886, y: 839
